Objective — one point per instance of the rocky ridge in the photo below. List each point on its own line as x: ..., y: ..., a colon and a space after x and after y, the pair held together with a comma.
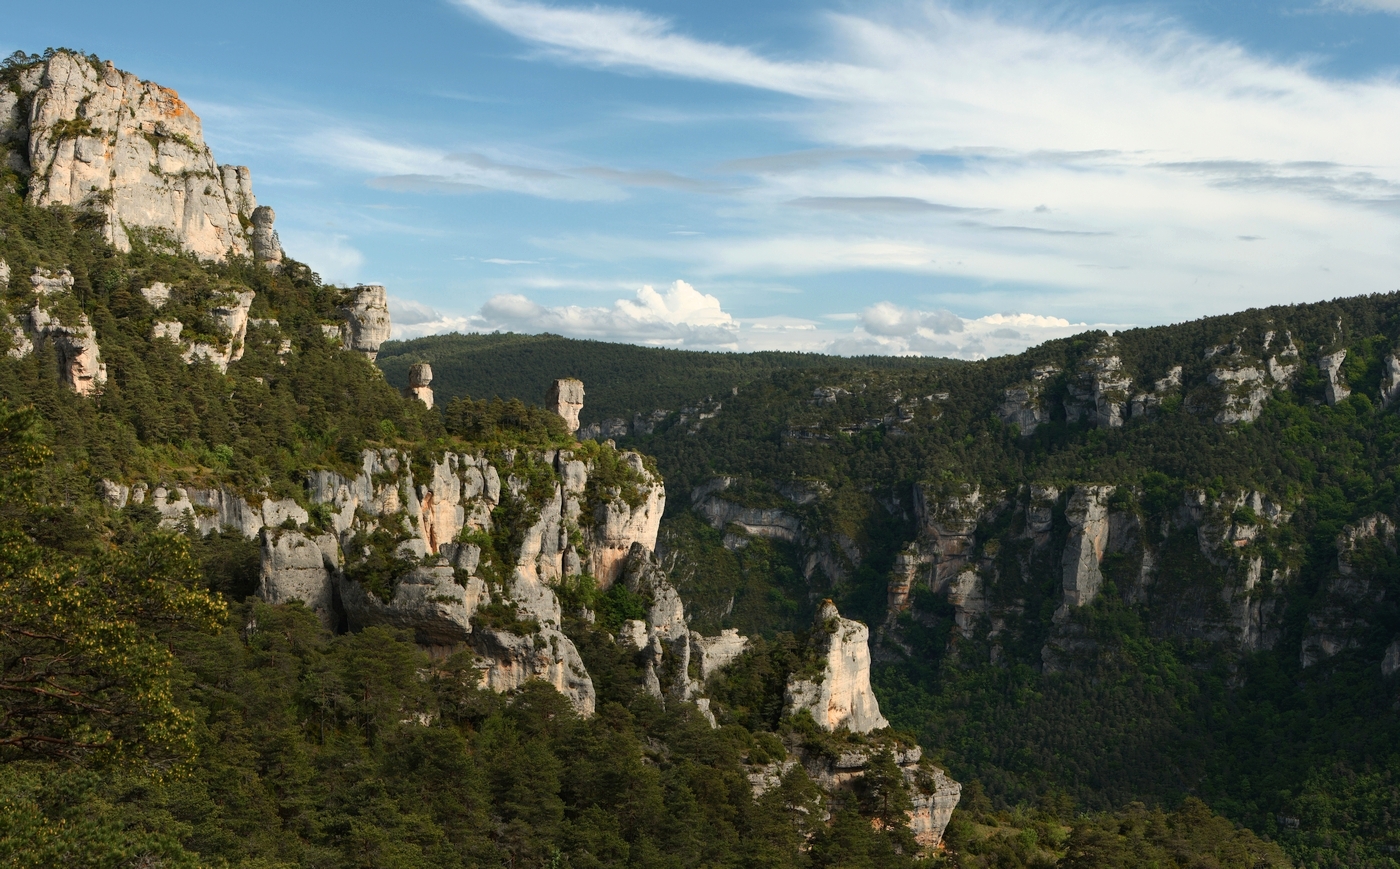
x: 87, y: 135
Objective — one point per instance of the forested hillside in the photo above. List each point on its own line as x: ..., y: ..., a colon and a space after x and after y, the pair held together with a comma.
x: 1236, y: 642
x: 260, y: 608
x: 622, y: 379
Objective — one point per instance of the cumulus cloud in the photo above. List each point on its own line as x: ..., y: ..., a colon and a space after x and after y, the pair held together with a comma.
x: 889, y: 319
x: 942, y: 333
x: 682, y: 316
x: 678, y: 316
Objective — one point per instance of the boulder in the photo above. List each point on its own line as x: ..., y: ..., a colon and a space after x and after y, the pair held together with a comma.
x: 507, y: 661
x: 715, y: 653
x: 298, y: 567
x: 840, y: 696
x: 428, y: 601
x: 157, y: 295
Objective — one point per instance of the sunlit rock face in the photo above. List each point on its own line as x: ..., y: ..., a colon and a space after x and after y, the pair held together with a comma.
x: 566, y: 399
x: 841, y: 696
x: 103, y: 140
x: 364, y: 317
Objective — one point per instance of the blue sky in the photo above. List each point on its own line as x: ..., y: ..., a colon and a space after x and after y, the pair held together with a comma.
x: 943, y: 178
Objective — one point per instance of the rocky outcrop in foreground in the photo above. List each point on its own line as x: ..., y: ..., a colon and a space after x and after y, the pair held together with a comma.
x: 90, y: 136
x: 386, y: 550
x: 838, y: 695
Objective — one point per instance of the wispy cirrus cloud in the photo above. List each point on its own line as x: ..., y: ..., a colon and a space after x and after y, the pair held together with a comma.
x: 1103, y: 142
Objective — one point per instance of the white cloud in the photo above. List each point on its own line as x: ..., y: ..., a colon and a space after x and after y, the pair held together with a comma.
x: 416, y: 169
x: 1117, y: 161
x: 889, y: 319
x: 1392, y: 6
x: 681, y: 316
x: 612, y: 36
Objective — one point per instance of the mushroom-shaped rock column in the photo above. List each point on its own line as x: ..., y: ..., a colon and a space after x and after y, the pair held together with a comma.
x: 419, y: 376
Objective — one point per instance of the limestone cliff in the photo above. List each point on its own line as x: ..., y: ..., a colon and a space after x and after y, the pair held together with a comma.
x: 90, y: 136
x: 432, y: 527
x: 364, y: 319
x: 839, y: 695
x: 1101, y: 388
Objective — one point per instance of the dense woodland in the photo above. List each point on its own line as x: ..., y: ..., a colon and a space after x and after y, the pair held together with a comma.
x: 1303, y: 756
x: 153, y: 712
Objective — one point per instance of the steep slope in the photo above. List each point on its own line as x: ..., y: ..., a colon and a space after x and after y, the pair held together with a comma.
x: 357, y: 620
x: 1120, y: 567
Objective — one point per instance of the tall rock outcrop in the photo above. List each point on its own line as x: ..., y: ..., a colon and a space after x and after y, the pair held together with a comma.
x: 267, y: 247
x: 100, y: 139
x: 839, y: 695
x: 1024, y: 405
x: 364, y: 317
x: 677, y: 661
x: 420, y: 375
x: 566, y: 399
x: 55, y: 320
x: 1334, y: 384
x: 1101, y: 388
x: 1087, y: 514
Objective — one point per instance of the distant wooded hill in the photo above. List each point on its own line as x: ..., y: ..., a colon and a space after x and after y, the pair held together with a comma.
x: 620, y: 379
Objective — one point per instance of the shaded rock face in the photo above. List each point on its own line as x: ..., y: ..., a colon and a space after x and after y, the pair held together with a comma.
x: 1101, y: 389
x: 420, y: 374
x: 267, y: 247
x: 100, y: 139
x: 1220, y: 544
x: 841, y: 697
x: 1087, y: 513
x: 1365, y: 553
x: 834, y: 555
x: 566, y: 399
x: 365, y: 319
x: 933, y: 794
x: 1330, y: 365
x: 1023, y: 405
